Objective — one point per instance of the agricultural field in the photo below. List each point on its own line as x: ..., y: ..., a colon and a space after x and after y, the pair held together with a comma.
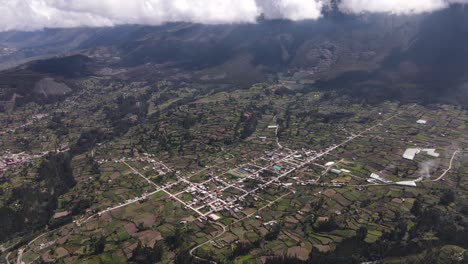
x: 234, y: 176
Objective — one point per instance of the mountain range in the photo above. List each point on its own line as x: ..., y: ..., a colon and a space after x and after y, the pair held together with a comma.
x: 374, y: 56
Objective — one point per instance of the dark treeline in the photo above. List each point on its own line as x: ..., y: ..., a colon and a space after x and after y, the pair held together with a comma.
x: 36, y: 202
x: 129, y: 110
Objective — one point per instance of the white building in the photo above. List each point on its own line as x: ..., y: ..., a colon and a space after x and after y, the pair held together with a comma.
x: 214, y: 217
x: 407, y: 183
x: 421, y: 121
x: 411, y: 153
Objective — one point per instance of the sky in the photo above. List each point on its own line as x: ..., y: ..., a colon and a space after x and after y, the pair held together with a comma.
x: 37, y: 14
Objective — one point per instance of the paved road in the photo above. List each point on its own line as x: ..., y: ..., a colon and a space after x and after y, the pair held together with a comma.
x: 158, y: 188
x: 137, y: 199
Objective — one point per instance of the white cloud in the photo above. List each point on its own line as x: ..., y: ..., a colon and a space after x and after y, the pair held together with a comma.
x: 292, y: 9
x: 36, y: 14
x: 401, y: 7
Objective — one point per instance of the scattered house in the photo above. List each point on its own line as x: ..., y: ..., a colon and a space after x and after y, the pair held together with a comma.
x: 270, y: 223
x: 411, y: 153
x: 323, y: 218
x: 271, y: 127
x: 345, y: 171
x: 214, y: 217
x: 421, y: 121
x: 329, y: 164
x: 431, y: 152
x: 379, y: 178
x: 335, y: 171
x: 407, y: 183
x: 46, y: 245
x: 61, y: 214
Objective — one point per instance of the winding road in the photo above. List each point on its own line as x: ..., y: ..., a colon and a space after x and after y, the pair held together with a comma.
x: 448, y: 169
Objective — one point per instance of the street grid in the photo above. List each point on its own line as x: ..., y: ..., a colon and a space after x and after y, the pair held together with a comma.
x: 209, y: 201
